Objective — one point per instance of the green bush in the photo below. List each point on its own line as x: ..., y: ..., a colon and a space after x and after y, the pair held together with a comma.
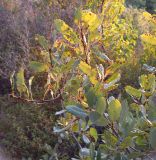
x: 25, y: 128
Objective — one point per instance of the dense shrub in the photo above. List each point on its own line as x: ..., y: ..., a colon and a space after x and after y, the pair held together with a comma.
x: 26, y: 129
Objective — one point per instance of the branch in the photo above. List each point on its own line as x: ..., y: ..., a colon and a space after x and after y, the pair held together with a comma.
x: 51, y: 101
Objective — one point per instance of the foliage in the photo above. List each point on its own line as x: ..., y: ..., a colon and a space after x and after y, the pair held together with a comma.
x: 26, y: 129
x: 91, y: 74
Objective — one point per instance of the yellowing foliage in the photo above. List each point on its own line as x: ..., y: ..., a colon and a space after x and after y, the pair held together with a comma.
x: 91, y: 73
x: 149, y: 17
x: 149, y: 38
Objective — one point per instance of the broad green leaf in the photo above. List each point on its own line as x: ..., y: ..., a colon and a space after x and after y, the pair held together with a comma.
x: 152, y: 138
x: 91, y: 97
x: 114, y: 78
x: 109, y: 138
x: 93, y: 133
x: 66, y: 31
x: 127, y: 121
x: 91, y: 73
x: 148, y: 38
x: 38, y: 66
x: 77, y: 111
x: 114, y: 110
x: 112, y: 69
x: 152, y: 100
x: 98, y: 119
x: 20, y: 82
x: 100, y: 105
x: 152, y: 108
x: 93, y: 152
x: 42, y: 41
x: 133, y: 92
x: 126, y: 142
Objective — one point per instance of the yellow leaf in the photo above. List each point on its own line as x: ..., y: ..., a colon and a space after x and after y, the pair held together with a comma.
x: 148, y: 38
x: 91, y: 73
x: 149, y: 17
x: 20, y: 82
x: 90, y: 19
x: 66, y: 31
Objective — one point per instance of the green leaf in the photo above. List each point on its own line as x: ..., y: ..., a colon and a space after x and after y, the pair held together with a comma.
x: 92, y: 151
x: 20, y: 82
x: 133, y: 92
x: 109, y: 138
x: 100, y: 105
x: 42, y: 41
x: 91, y: 97
x: 152, y: 138
x: 38, y: 67
x: 152, y: 108
x: 98, y: 119
x: 152, y: 100
x: 66, y: 31
x: 114, y: 110
x: 126, y: 142
x: 77, y: 111
x: 93, y: 133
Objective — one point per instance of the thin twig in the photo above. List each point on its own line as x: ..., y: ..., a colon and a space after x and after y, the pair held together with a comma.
x: 76, y: 140
x: 52, y: 101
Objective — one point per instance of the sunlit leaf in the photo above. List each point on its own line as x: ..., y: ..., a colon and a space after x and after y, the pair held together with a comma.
x: 66, y: 31
x: 148, y: 38
x: 20, y: 82
x: 148, y: 82
x: 91, y: 73
x: 149, y: 17
x: 133, y: 92
x: 93, y: 133
x: 77, y: 111
x: 114, y: 110
x: 90, y: 19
